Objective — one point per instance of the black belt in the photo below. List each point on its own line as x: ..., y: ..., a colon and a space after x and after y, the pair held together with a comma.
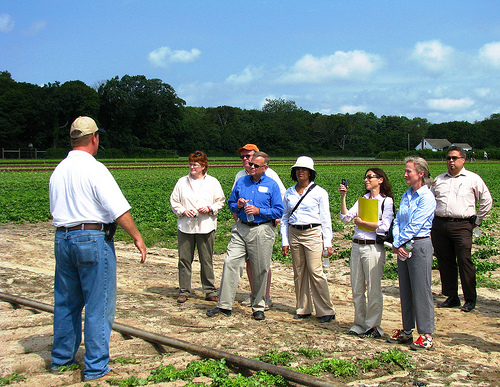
x: 364, y: 242
x: 83, y: 226
x: 305, y: 226
x: 416, y: 238
x: 252, y: 224
x: 453, y: 219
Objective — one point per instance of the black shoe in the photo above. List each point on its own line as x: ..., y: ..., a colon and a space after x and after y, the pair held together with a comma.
x: 215, y: 311
x: 258, y: 315
x: 327, y: 319
x: 372, y: 332
x: 450, y: 302
x: 468, y: 306
x: 300, y: 316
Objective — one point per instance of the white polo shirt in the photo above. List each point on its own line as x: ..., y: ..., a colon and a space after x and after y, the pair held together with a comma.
x: 82, y: 190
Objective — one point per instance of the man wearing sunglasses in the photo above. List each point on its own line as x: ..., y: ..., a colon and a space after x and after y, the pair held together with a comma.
x: 246, y: 152
x: 256, y: 199
x: 458, y: 193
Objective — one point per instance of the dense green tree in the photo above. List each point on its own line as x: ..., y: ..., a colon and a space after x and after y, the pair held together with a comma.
x: 140, y: 112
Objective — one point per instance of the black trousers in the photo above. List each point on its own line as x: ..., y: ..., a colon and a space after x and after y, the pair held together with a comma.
x: 452, y: 242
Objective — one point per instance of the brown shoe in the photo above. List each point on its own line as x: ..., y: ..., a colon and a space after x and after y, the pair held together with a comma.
x: 182, y: 299
x: 212, y: 298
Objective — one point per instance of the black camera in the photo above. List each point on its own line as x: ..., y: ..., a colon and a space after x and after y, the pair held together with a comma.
x: 344, y: 182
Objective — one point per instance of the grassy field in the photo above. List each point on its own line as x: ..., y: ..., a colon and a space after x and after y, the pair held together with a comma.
x: 148, y: 184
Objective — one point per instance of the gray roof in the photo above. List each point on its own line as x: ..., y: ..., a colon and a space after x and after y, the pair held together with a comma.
x: 438, y: 143
x: 462, y: 145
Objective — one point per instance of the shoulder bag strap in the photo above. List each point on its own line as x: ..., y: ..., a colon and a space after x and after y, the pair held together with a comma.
x: 302, y: 198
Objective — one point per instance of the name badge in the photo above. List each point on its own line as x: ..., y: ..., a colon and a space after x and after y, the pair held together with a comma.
x: 263, y: 189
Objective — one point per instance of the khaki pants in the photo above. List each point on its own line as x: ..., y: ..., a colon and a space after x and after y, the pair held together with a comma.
x: 367, y: 268
x: 311, y: 285
x: 205, y: 245
x: 256, y: 243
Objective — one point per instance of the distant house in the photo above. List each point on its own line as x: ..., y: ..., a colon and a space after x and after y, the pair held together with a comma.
x: 466, y: 147
x: 435, y: 144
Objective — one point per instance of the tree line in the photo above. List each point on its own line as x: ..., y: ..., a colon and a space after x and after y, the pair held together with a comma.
x: 145, y: 118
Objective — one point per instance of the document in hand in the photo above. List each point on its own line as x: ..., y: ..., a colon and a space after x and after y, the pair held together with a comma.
x: 368, y: 211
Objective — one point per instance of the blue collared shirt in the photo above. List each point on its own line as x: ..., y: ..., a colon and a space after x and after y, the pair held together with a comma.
x: 415, y: 215
x: 264, y: 194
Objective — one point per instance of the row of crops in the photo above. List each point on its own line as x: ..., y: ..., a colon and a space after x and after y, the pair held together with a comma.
x: 24, y: 191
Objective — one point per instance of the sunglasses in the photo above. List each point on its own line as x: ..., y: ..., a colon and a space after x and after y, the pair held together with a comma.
x: 369, y: 177
x: 197, y: 154
x: 245, y: 156
x: 454, y: 158
x: 256, y: 166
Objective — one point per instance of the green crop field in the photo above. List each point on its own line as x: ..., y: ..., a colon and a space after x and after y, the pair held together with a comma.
x: 147, y: 186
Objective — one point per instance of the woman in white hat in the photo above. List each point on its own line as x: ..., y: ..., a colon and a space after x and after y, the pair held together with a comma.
x: 306, y: 230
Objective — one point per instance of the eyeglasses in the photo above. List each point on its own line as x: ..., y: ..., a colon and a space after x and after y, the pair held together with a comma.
x: 256, y: 166
x: 454, y: 158
x: 369, y: 177
x: 245, y: 156
x: 194, y: 165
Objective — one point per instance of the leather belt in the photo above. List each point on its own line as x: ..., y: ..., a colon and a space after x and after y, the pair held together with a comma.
x: 415, y: 238
x: 252, y: 224
x: 305, y: 226
x: 444, y: 219
x: 83, y: 226
x: 364, y: 242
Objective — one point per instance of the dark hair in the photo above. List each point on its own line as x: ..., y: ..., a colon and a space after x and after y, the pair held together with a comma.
x: 200, y: 158
x: 385, y: 187
x: 293, y: 174
x: 456, y: 148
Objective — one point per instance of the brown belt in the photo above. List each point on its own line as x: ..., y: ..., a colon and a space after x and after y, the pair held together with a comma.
x: 83, y: 226
x: 364, y: 242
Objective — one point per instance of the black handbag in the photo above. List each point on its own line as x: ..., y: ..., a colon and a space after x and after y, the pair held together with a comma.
x: 387, y: 236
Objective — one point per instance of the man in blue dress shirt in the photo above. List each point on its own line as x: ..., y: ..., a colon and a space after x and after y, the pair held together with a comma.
x: 254, y: 196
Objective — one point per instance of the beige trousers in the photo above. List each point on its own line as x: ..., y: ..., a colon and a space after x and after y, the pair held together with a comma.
x: 311, y: 285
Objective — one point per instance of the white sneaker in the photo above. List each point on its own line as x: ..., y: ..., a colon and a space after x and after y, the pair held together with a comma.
x: 247, y: 302
x: 269, y: 303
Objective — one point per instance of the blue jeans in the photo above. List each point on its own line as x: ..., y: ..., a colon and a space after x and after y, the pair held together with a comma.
x: 85, y: 277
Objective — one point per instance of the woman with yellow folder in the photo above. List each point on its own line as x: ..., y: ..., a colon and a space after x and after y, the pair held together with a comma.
x: 372, y: 215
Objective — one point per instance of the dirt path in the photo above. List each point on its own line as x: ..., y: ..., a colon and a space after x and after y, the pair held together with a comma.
x: 467, y: 349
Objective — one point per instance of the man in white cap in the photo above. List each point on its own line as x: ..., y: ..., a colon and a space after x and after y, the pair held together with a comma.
x: 246, y: 153
x: 84, y: 202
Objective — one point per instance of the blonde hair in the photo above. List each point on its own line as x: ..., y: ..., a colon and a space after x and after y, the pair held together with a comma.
x: 421, y: 166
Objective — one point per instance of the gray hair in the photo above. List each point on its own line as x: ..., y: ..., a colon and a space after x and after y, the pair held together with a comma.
x: 421, y: 166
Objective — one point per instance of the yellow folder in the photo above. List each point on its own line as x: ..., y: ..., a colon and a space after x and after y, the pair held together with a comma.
x: 368, y: 211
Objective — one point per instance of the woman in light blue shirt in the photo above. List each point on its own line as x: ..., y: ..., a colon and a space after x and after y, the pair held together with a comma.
x: 412, y: 244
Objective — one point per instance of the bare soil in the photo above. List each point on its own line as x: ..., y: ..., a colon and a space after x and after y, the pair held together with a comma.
x: 467, y: 345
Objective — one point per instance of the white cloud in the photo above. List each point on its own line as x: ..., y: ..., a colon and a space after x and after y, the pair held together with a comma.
x: 433, y: 55
x: 483, y: 91
x: 36, y: 28
x: 490, y: 54
x: 6, y: 23
x: 248, y: 75
x: 352, y: 109
x: 350, y: 65
x: 163, y: 56
x: 448, y: 104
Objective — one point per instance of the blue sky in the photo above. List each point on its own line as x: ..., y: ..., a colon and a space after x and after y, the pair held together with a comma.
x: 438, y: 60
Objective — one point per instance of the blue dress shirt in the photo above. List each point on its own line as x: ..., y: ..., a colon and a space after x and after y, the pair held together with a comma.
x: 415, y: 215
x: 264, y: 194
